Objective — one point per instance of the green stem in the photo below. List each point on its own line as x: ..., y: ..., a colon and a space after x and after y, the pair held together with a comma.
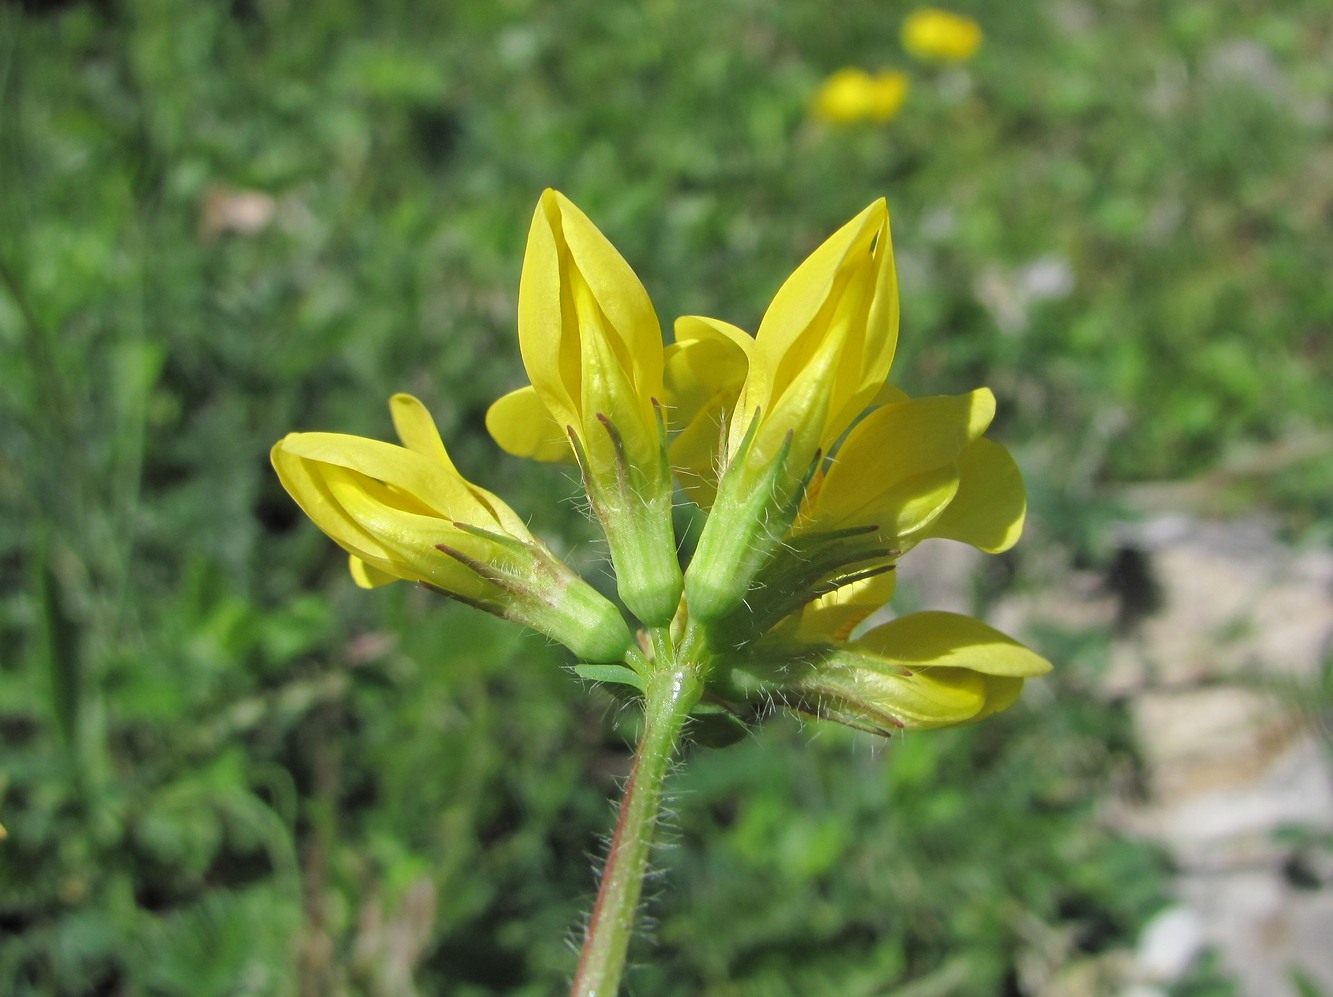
x: 673, y: 689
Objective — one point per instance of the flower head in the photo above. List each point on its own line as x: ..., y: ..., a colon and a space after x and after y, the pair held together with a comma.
x: 935, y: 35
x: 815, y: 473
x: 406, y: 513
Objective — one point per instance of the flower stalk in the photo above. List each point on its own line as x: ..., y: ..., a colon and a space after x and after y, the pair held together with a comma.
x: 673, y: 689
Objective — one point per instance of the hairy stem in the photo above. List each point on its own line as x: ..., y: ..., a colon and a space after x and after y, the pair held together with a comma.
x: 673, y: 689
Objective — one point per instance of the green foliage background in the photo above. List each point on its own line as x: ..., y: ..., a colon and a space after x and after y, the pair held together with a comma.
x: 223, y: 770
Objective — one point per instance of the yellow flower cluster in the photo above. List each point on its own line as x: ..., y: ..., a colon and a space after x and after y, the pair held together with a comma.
x: 816, y: 476
x: 853, y: 96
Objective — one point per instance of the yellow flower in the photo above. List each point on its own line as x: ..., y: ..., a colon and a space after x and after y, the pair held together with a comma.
x: 593, y: 351
x: 851, y: 96
x: 823, y: 349
x: 919, y: 671
x: 821, y: 355
x: 913, y: 446
x: 910, y: 470
x: 935, y: 35
x: 406, y: 513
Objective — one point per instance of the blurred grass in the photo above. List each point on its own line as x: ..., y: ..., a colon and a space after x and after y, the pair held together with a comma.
x: 224, y: 770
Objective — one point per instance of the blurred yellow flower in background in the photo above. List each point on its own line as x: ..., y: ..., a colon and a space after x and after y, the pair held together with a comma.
x: 935, y: 35
x: 851, y: 96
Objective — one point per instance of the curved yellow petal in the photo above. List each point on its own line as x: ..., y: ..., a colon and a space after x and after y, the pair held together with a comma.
x: 523, y: 426
x: 616, y: 289
x: 825, y: 344
x: 609, y: 389
x: 896, y: 469
x: 367, y: 576
x: 1002, y: 692
x: 889, y: 394
x: 547, y: 324
x: 949, y: 640
x: 904, y: 510
x: 420, y: 485
x: 796, y: 324
x: 306, y: 483
x: 416, y: 428
x: 991, y: 504
x: 833, y: 616
x: 705, y: 369
x: 891, y: 698
x: 708, y: 361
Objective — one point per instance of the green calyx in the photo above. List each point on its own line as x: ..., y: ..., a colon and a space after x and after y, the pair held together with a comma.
x: 746, y: 532
x: 633, y: 505
x: 531, y: 586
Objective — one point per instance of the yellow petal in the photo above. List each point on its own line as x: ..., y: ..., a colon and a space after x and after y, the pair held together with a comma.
x: 893, y: 698
x: 524, y: 427
x: 1002, y: 692
x: 835, y: 615
x: 416, y: 428
x: 608, y: 389
x: 547, y: 325
x: 422, y: 485
x: 583, y: 314
x: 948, y: 640
x: 709, y: 359
x: 306, y: 483
x: 795, y: 323
x: 825, y: 344
x: 617, y: 290
x: 991, y: 504
x: 705, y: 369
x: 367, y: 576
x: 896, y: 469
x: 408, y: 538
x: 888, y: 394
